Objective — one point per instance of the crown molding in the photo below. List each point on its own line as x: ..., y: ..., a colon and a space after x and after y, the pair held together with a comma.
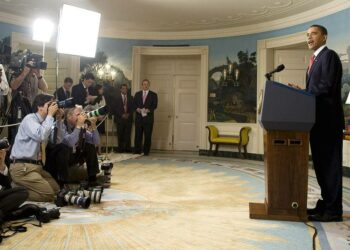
x: 113, y: 32
x: 316, y: 13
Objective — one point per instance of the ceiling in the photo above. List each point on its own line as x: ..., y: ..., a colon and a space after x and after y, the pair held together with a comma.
x: 205, y: 18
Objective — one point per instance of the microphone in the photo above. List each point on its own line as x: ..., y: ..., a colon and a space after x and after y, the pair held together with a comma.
x: 278, y: 69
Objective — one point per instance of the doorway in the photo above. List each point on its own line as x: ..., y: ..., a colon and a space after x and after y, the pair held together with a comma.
x: 179, y: 77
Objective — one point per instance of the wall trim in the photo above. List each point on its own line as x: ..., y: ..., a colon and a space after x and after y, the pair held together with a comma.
x: 112, y: 32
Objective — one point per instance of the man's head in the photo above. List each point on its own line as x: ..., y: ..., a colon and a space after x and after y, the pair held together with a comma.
x: 145, y: 84
x: 67, y: 84
x: 124, y: 89
x: 41, y: 103
x: 72, y: 115
x: 88, y: 79
x: 316, y: 36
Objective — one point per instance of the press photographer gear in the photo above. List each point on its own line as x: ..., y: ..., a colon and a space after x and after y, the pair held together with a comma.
x: 94, y: 193
x: 20, y: 59
x: 106, y: 167
x: 67, y: 197
x: 67, y: 103
x: 4, y: 143
x: 98, y: 112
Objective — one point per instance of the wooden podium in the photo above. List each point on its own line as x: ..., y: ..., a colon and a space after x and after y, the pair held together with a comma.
x: 287, y: 115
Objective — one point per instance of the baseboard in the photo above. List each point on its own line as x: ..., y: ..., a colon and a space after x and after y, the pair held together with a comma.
x: 257, y: 157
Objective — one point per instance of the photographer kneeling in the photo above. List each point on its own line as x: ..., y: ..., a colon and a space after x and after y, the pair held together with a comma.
x: 26, y: 166
x: 76, y: 142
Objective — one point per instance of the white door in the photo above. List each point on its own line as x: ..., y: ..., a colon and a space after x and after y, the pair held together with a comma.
x: 163, y: 85
x: 186, y: 123
x: 296, y: 62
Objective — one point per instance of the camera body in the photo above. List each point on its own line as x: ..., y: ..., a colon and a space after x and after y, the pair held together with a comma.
x: 4, y: 143
x: 67, y: 103
x: 21, y: 58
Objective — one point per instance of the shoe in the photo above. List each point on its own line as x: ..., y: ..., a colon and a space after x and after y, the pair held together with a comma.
x: 319, y: 209
x: 325, y: 217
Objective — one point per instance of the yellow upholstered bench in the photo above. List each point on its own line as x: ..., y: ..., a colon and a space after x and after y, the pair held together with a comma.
x: 239, y: 141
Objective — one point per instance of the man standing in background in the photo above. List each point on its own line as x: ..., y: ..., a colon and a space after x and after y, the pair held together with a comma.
x: 145, y: 102
x: 123, y: 119
x: 64, y: 92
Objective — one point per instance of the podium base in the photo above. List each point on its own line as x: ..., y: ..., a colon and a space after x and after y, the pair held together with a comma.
x: 260, y: 211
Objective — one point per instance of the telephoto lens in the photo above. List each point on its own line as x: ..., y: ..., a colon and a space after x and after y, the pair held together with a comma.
x: 95, y: 194
x: 98, y: 112
x: 106, y: 167
x: 73, y: 199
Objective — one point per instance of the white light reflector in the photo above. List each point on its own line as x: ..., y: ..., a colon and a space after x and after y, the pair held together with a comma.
x: 42, y: 30
x: 78, y: 31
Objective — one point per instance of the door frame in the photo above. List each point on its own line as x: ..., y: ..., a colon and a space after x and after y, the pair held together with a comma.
x: 202, y: 51
x: 265, y: 63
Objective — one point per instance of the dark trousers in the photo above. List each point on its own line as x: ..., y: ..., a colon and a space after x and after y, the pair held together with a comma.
x: 11, y: 199
x: 327, y: 153
x: 124, y: 134
x: 145, y: 129
x: 60, y: 157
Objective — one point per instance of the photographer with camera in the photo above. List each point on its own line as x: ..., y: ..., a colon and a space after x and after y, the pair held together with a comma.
x: 76, y: 142
x: 29, y: 81
x: 82, y: 92
x: 26, y: 166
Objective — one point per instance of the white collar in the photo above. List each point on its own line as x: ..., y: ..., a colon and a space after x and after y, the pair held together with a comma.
x: 319, y: 50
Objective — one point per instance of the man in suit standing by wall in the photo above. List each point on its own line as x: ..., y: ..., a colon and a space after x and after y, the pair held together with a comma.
x: 64, y: 92
x: 326, y: 137
x: 123, y: 119
x: 80, y: 92
x: 145, y: 102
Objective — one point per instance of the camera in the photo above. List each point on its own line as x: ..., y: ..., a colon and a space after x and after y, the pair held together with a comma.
x: 106, y: 167
x: 41, y: 213
x: 21, y: 58
x: 97, y: 112
x: 68, y: 103
x: 66, y: 197
x: 4, y: 143
x: 94, y: 193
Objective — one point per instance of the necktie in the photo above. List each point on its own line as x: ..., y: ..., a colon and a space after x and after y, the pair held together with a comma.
x: 144, y: 97
x: 125, y: 103
x: 312, y: 59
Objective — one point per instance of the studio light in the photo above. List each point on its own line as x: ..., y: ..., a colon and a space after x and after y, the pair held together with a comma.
x: 42, y: 30
x: 78, y: 31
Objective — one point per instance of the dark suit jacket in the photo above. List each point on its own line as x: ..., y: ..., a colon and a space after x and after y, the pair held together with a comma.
x: 60, y: 94
x: 151, y: 103
x: 79, y: 94
x: 324, y: 81
x: 119, y: 109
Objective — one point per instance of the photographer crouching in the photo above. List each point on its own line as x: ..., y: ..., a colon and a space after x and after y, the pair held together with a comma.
x: 26, y: 166
x: 75, y: 143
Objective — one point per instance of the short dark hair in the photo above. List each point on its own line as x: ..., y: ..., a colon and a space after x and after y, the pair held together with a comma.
x: 146, y: 80
x: 321, y: 28
x: 123, y: 84
x: 40, y: 100
x: 68, y: 79
x: 89, y: 76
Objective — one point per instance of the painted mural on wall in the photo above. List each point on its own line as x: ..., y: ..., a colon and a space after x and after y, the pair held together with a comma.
x: 232, y: 90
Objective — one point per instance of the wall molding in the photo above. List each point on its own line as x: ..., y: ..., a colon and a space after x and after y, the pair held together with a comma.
x: 112, y: 32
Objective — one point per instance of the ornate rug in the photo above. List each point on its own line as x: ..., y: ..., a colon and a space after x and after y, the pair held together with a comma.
x: 167, y: 203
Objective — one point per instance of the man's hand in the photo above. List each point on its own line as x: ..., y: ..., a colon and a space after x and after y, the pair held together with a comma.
x: 93, y: 121
x: 294, y: 85
x: 2, y: 160
x: 60, y: 114
x: 138, y: 110
x: 52, y: 109
x: 125, y: 116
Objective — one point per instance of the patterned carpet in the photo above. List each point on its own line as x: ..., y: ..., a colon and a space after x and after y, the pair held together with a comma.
x: 172, y: 202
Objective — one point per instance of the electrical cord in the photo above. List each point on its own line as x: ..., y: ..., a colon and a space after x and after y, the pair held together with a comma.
x: 314, y: 235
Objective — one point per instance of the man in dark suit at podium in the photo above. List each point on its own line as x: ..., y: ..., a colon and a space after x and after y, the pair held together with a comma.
x: 326, y: 137
x: 64, y: 92
x: 145, y: 102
